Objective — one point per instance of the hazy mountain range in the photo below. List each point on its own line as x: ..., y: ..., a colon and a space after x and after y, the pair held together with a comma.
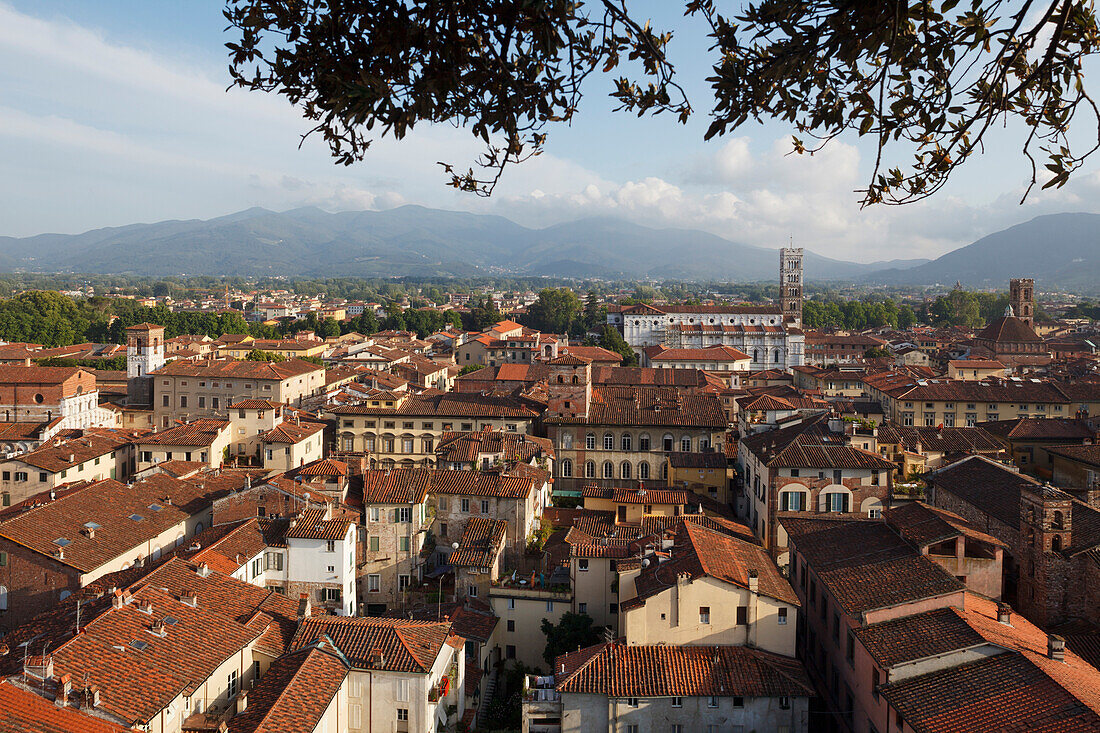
x: 417, y: 241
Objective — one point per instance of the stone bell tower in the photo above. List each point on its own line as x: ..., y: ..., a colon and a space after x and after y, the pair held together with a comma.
x: 144, y: 354
x: 790, y: 284
x: 1021, y: 296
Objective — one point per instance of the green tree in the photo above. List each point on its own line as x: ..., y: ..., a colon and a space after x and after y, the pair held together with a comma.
x: 257, y: 355
x: 612, y: 340
x: 921, y: 79
x: 555, y: 311
x: 470, y: 368
x: 573, y: 631
x: 594, y: 314
x: 328, y: 329
x: 906, y: 317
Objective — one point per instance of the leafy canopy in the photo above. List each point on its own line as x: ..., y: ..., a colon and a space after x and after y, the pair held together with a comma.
x: 922, y: 79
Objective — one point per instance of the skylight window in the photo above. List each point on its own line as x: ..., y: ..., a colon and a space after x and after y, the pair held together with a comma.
x: 155, y: 507
x: 91, y: 525
x: 62, y: 542
x: 170, y: 621
x: 139, y: 644
x: 136, y: 517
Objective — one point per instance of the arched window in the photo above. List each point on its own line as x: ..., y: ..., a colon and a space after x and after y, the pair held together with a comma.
x: 1056, y: 543
x: 643, y: 470
x: 566, y: 468
x: 590, y: 441
x: 561, y: 379
x: 666, y: 442
x: 576, y: 379
x: 626, y: 442
x: 608, y: 470
x: 756, y: 354
x: 608, y: 442
x: 3, y: 598
x: 1059, y: 520
x: 685, y: 444
x: 624, y: 470
x: 776, y: 356
x: 664, y: 472
x: 567, y: 441
x: 64, y: 594
x: 643, y: 441
x: 590, y: 469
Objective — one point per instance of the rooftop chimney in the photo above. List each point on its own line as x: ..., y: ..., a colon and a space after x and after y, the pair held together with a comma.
x: 1056, y: 648
x: 88, y: 532
x: 203, y: 570
x: 188, y: 598
x: 1004, y: 613
x: 242, y: 702
x: 303, y: 605
x: 91, y: 697
x: 377, y: 658
x: 146, y: 607
x: 754, y: 581
x: 62, y: 691
x: 159, y: 628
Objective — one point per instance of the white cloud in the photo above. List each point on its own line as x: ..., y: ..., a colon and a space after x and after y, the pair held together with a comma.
x: 121, y: 134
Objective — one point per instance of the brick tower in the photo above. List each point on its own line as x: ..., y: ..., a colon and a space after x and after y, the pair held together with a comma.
x: 1046, y: 531
x: 790, y: 284
x: 144, y: 354
x: 1021, y: 296
x: 570, y: 388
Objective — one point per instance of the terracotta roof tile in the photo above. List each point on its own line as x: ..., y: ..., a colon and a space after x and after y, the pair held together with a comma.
x: 446, y: 405
x: 702, y: 552
x: 233, y: 369
x: 985, y: 485
x: 650, y: 406
x: 404, y: 646
x: 124, y: 518
x: 619, y: 670
x: 201, y: 432
x: 295, y: 691
x: 866, y: 565
x: 919, y: 636
x: 465, y: 447
x: 60, y: 454
x: 312, y: 525
x: 23, y: 711
x: 481, y: 542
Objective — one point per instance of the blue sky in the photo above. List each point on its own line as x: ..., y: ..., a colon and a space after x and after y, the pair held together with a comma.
x: 114, y: 112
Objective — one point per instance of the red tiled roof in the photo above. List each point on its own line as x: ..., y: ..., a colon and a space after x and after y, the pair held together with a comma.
x: 919, y: 636
x: 986, y: 485
x: 702, y: 552
x: 126, y: 517
x: 294, y: 693
x: 1061, y: 429
x: 23, y: 711
x: 810, y: 444
x: 201, y: 432
x: 866, y: 565
x: 621, y: 670
x: 1008, y: 329
x: 233, y: 369
x: 54, y: 455
x: 37, y: 374
x: 924, y: 524
x: 447, y: 404
x: 254, y: 404
x: 465, y: 447
x: 323, y: 467
x: 482, y: 540
x: 650, y: 406
x: 708, y: 353
x: 312, y: 525
x: 640, y: 495
x: 292, y: 432
x: 404, y: 646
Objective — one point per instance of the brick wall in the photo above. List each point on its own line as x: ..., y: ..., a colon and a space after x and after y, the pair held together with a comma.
x: 34, y: 583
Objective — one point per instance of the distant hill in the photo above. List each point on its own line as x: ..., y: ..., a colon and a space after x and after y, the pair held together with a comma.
x: 410, y: 240
x: 1058, y: 250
